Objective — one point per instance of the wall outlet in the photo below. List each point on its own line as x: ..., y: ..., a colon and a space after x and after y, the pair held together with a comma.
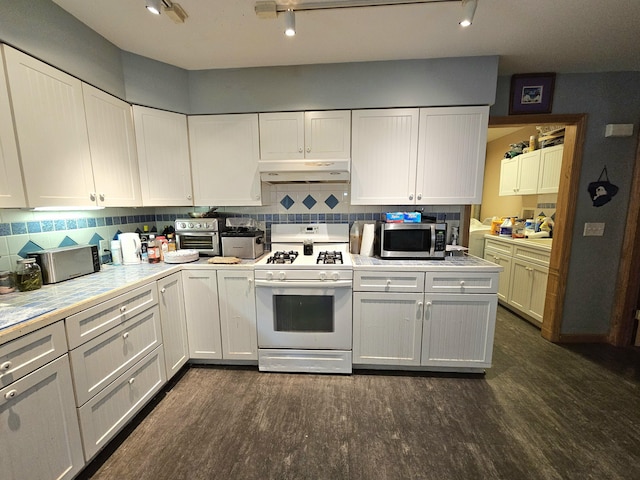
x: 593, y: 230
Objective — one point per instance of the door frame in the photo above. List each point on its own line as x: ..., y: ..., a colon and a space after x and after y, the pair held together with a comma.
x: 575, y: 132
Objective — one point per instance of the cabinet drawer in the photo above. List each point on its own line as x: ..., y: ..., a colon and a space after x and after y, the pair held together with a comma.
x: 498, y: 247
x: 388, y: 281
x: 105, y: 414
x: 534, y: 255
x: 25, y: 354
x: 90, y: 323
x: 454, y: 282
x: 99, y: 361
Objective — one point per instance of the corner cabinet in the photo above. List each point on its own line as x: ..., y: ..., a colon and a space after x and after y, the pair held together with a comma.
x: 11, y: 185
x: 225, y: 150
x: 418, y: 156
x: 173, y: 322
x: 311, y: 135
x: 163, y: 157
x: 236, y: 293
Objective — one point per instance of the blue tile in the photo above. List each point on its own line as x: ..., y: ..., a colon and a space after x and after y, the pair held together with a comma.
x: 306, y: 217
x: 275, y: 217
x: 116, y: 220
x: 291, y: 218
x: 309, y: 202
x: 28, y: 248
x: 287, y: 202
x: 108, y: 220
x: 81, y: 222
x: 47, y: 225
x: 34, y: 227
x: 60, y: 225
x: 321, y: 217
x: 298, y: 218
x: 123, y: 220
x: 5, y: 229
x: 331, y: 201
x: 91, y: 222
x: 100, y: 222
x: 131, y: 219
x: 166, y: 217
x: 67, y: 242
x: 18, y: 228
x: 136, y: 219
x: 261, y: 217
x: 95, y: 240
x: 72, y: 224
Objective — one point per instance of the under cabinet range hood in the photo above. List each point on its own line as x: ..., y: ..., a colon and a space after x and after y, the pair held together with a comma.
x: 304, y: 171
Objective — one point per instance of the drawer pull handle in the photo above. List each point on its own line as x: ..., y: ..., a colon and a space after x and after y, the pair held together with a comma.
x: 123, y: 309
x: 462, y: 283
x: 125, y: 335
x: 162, y: 290
x: 131, y: 380
x: 388, y: 282
x: 5, y: 366
x: 429, y: 304
x: 10, y: 394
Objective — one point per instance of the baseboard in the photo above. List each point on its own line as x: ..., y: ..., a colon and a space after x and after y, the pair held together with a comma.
x: 583, y: 338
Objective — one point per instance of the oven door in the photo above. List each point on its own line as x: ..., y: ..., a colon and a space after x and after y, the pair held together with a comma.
x: 301, y: 316
x: 207, y: 243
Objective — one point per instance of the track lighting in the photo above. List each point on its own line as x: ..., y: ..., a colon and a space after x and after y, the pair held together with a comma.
x: 289, y: 23
x: 154, y: 6
x: 468, y: 10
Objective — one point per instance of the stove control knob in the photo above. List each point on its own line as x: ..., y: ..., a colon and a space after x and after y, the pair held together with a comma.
x: 190, y: 225
x: 182, y: 225
x: 282, y: 275
x: 323, y: 276
x: 269, y: 276
x: 197, y: 225
x: 335, y: 276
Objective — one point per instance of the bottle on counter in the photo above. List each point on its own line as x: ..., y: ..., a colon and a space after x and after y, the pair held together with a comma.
x: 144, y: 244
x: 172, y: 246
x: 116, y: 252
x: 28, y: 275
x: 355, y: 238
x: 163, y: 244
x: 153, y: 249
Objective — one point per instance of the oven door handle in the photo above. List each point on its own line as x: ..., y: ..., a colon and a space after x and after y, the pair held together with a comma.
x: 305, y: 284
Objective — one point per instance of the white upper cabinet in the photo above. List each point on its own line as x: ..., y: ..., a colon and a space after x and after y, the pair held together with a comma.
x: 550, y: 166
x: 113, y: 149
x: 52, y: 132
x: 163, y: 157
x: 384, y: 156
x: 532, y: 173
x: 11, y: 187
x: 312, y: 135
x: 225, y: 150
x: 451, y: 155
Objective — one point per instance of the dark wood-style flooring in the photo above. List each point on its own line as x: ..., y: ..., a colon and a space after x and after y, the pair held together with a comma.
x: 543, y: 411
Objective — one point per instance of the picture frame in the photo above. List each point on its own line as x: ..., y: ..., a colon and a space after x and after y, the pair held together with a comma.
x: 531, y: 93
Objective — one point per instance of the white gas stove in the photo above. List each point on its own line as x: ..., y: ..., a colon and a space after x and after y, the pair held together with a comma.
x: 303, y: 294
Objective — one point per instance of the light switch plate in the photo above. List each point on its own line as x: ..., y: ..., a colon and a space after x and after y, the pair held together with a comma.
x: 593, y: 230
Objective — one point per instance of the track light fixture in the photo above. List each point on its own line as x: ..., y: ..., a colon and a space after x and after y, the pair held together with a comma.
x: 289, y: 23
x: 154, y: 6
x: 468, y: 11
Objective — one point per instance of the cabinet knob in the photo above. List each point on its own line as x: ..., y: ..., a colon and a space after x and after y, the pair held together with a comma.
x: 92, y: 197
x: 123, y: 309
x: 462, y: 283
x: 125, y: 335
x: 10, y: 394
x: 5, y: 366
x: 102, y: 197
x: 308, y: 149
x: 131, y: 380
x: 419, y: 196
x: 163, y: 290
x: 429, y: 304
x: 188, y: 197
x: 411, y: 196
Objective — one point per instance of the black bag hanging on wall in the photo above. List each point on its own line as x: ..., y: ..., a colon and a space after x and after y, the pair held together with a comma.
x: 602, y: 190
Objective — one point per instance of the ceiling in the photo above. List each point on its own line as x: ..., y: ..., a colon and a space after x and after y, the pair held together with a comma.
x: 529, y: 36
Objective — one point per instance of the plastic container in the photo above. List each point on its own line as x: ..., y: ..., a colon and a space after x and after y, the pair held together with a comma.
x: 7, y: 283
x: 153, y: 250
x: 506, y: 228
x: 28, y: 275
x: 355, y: 238
x: 518, y: 229
x: 495, y: 225
x: 116, y: 252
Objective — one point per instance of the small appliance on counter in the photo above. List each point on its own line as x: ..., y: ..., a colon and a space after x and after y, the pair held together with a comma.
x: 418, y: 241
x: 242, y: 239
x: 64, y: 263
x: 201, y: 234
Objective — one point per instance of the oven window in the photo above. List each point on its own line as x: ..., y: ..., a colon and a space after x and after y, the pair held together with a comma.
x: 303, y: 313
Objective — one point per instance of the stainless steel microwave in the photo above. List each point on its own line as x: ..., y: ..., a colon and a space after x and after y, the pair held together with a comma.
x: 413, y: 240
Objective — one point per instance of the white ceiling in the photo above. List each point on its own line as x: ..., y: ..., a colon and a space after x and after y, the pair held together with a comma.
x: 529, y: 36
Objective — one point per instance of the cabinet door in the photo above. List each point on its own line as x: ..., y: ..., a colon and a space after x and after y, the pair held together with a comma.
x: 458, y: 330
x: 327, y: 134
x: 528, y: 288
x: 281, y: 135
x: 528, y: 173
x: 384, y: 156
x: 550, y: 166
x: 173, y: 322
x: 163, y: 157
x: 40, y: 433
x: 113, y: 149
x: 224, y: 159
x: 505, y: 274
x: 52, y: 132
x: 203, y: 315
x: 11, y: 186
x: 451, y: 155
x: 236, y: 293
x: 387, y: 328
x: 509, y: 172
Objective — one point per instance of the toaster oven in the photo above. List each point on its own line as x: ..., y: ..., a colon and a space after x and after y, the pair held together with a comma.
x: 201, y: 234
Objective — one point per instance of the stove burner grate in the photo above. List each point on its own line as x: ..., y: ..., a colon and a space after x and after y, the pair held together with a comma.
x: 329, y: 258
x: 283, y: 257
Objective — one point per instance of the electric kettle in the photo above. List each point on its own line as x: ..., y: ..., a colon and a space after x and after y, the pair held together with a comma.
x: 130, y: 246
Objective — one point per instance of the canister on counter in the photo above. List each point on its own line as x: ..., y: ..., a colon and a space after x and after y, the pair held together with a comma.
x: 7, y: 282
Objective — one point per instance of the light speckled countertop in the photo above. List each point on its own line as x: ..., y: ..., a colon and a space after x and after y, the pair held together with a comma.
x: 462, y: 262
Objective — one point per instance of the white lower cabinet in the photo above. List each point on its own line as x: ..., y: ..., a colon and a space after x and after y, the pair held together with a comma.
x: 39, y: 432
x: 505, y: 275
x: 458, y: 330
x: 203, y: 314
x: 110, y: 410
x: 173, y: 321
x: 236, y: 293
x: 528, y: 288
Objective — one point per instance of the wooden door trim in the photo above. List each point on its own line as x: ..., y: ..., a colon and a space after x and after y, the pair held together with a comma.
x: 628, y: 281
x: 575, y: 131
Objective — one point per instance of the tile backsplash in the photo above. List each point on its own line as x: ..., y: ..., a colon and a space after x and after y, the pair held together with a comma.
x: 23, y: 231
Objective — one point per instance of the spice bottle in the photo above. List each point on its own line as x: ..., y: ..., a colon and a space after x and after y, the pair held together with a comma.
x: 28, y: 275
x: 153, y: 249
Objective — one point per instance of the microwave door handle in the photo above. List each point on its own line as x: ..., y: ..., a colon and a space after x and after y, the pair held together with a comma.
x: 432, y: 250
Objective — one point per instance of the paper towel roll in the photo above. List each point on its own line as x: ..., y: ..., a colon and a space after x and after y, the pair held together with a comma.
x: 366, y: 249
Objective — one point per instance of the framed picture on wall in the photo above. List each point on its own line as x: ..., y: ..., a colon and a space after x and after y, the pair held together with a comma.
x: 531, y: 93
